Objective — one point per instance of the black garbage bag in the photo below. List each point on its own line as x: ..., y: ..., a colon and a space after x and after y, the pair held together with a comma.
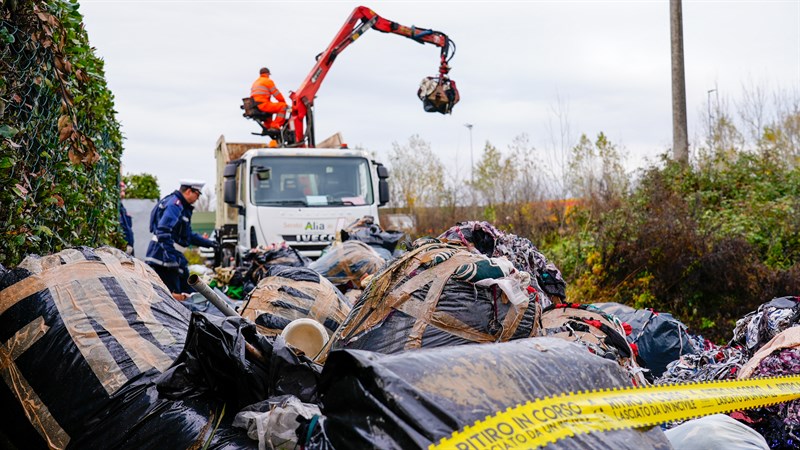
x: 660, y: 337
x: 413, y: 399
x: 89, y: 331
x: 225, y: 359
x: 347, y: 263
x: 367, y: 231
x: 440, y: 295
x: 262, y: 257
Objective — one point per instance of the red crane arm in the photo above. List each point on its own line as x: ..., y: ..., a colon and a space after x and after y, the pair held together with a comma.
x: 360, y: 21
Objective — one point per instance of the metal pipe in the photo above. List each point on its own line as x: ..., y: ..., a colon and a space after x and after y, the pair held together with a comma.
x: 201, y: 287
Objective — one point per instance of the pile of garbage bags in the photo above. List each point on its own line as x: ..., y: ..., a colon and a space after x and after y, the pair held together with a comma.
x: 99, y: 354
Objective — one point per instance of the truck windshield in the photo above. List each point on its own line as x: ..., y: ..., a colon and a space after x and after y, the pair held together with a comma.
x: 310, y: 181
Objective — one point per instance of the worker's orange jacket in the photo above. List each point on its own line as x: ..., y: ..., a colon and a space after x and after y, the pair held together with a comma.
x: 264, y: 88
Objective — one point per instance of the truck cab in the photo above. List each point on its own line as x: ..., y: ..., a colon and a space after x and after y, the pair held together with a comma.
x: 301, y: 196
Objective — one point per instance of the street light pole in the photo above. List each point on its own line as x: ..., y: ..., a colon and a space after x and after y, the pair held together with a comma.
x: 471, y: 161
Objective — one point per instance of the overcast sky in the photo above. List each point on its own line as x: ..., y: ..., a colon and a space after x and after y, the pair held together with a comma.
x: 179, y: 69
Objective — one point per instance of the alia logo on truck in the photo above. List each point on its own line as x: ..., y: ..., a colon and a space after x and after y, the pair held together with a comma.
x: 315, y: 226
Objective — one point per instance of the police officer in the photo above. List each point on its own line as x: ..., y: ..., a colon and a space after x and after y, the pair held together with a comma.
x: 171, y: 223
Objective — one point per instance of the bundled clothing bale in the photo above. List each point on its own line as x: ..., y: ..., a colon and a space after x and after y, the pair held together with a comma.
x: 87, y: 333
x: 778, y: 357
x: 758, y: 327
x: 484, y: 238
x: 346, y: 264
x: 278, y: 254
x: 712, y: 363
x: 365, y: 230
x: 602, y: 334
x: 414, y: 399
x: 440, y: 295
x: 289, y: 293
x: 659, y: 337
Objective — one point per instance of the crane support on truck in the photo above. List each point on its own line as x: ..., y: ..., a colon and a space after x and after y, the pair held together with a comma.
x: 438, y: 93
x: 300, y: 196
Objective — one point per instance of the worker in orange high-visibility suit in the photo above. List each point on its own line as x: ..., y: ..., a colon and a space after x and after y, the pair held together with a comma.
x: 262, y: 91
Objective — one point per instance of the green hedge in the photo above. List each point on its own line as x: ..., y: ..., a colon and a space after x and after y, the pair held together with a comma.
x: 60, y: 143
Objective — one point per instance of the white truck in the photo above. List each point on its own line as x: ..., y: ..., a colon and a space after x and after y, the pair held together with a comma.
x: 301, y: 196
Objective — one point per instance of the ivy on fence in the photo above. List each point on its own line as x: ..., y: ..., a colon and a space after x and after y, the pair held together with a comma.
x: 60, y: 143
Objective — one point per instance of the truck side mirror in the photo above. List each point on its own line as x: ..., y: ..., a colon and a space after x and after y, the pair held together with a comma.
x: 383, y: 192
x: 229, y: 184
x: 383, y: 184
x: 383, y: 172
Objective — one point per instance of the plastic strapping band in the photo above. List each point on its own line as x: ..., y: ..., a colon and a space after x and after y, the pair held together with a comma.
x: 311, y: 427
x: 543, y: 421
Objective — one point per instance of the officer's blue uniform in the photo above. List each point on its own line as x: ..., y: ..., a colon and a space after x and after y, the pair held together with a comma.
x: 127, y: 224
x: 171, y: 223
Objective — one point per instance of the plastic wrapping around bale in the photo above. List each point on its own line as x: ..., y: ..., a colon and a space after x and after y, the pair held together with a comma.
x: 758, y: 327
x: 488, y: 240
x: 440, y: 295
x: 715, y: 432
x: 346, y: 264
x: 289, y: 293
x: 659, y: 337
x: 365, y: 230
x: 263, y: 257
x: 603, y: 334
x: 414, y: 399
x: 87, y: 332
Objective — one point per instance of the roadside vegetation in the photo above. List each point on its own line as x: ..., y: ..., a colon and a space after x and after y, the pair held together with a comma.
x: 707, y: 242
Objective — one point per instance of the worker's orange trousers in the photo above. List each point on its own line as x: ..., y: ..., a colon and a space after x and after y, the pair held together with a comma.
x: 281, y: 111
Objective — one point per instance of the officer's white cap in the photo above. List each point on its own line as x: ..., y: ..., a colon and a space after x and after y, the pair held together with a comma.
x: 194, y: 184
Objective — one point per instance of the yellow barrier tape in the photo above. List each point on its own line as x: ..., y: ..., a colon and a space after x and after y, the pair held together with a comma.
x: 544, y: 421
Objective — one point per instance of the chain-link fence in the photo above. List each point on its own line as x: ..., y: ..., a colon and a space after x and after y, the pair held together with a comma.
x: 59, y: 141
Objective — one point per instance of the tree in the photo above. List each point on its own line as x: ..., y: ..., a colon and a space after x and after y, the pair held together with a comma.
x: 596, y: 172
x: 494, y: 177
x: 417, y: 176
x: 141, y: 185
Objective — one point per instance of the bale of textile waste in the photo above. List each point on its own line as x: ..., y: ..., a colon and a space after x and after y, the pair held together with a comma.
x: 87, y: 332
x: 278, y: 254
x: 757, y: 327
x: 659, y: 337
x: 414, y: 399
x: 712, y: 363
x: 603, y: 334
x: 226, y: 360
x: 484, y: 238
x: 289, y: 293
x: 346, y: 264
x: 365, y: 230
x: 715, y: 432
x: 778, y: 357
x: 440, y: 295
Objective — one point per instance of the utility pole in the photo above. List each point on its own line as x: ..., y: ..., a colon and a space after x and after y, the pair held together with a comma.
x: 680, y: 139
x: 471, y: 160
